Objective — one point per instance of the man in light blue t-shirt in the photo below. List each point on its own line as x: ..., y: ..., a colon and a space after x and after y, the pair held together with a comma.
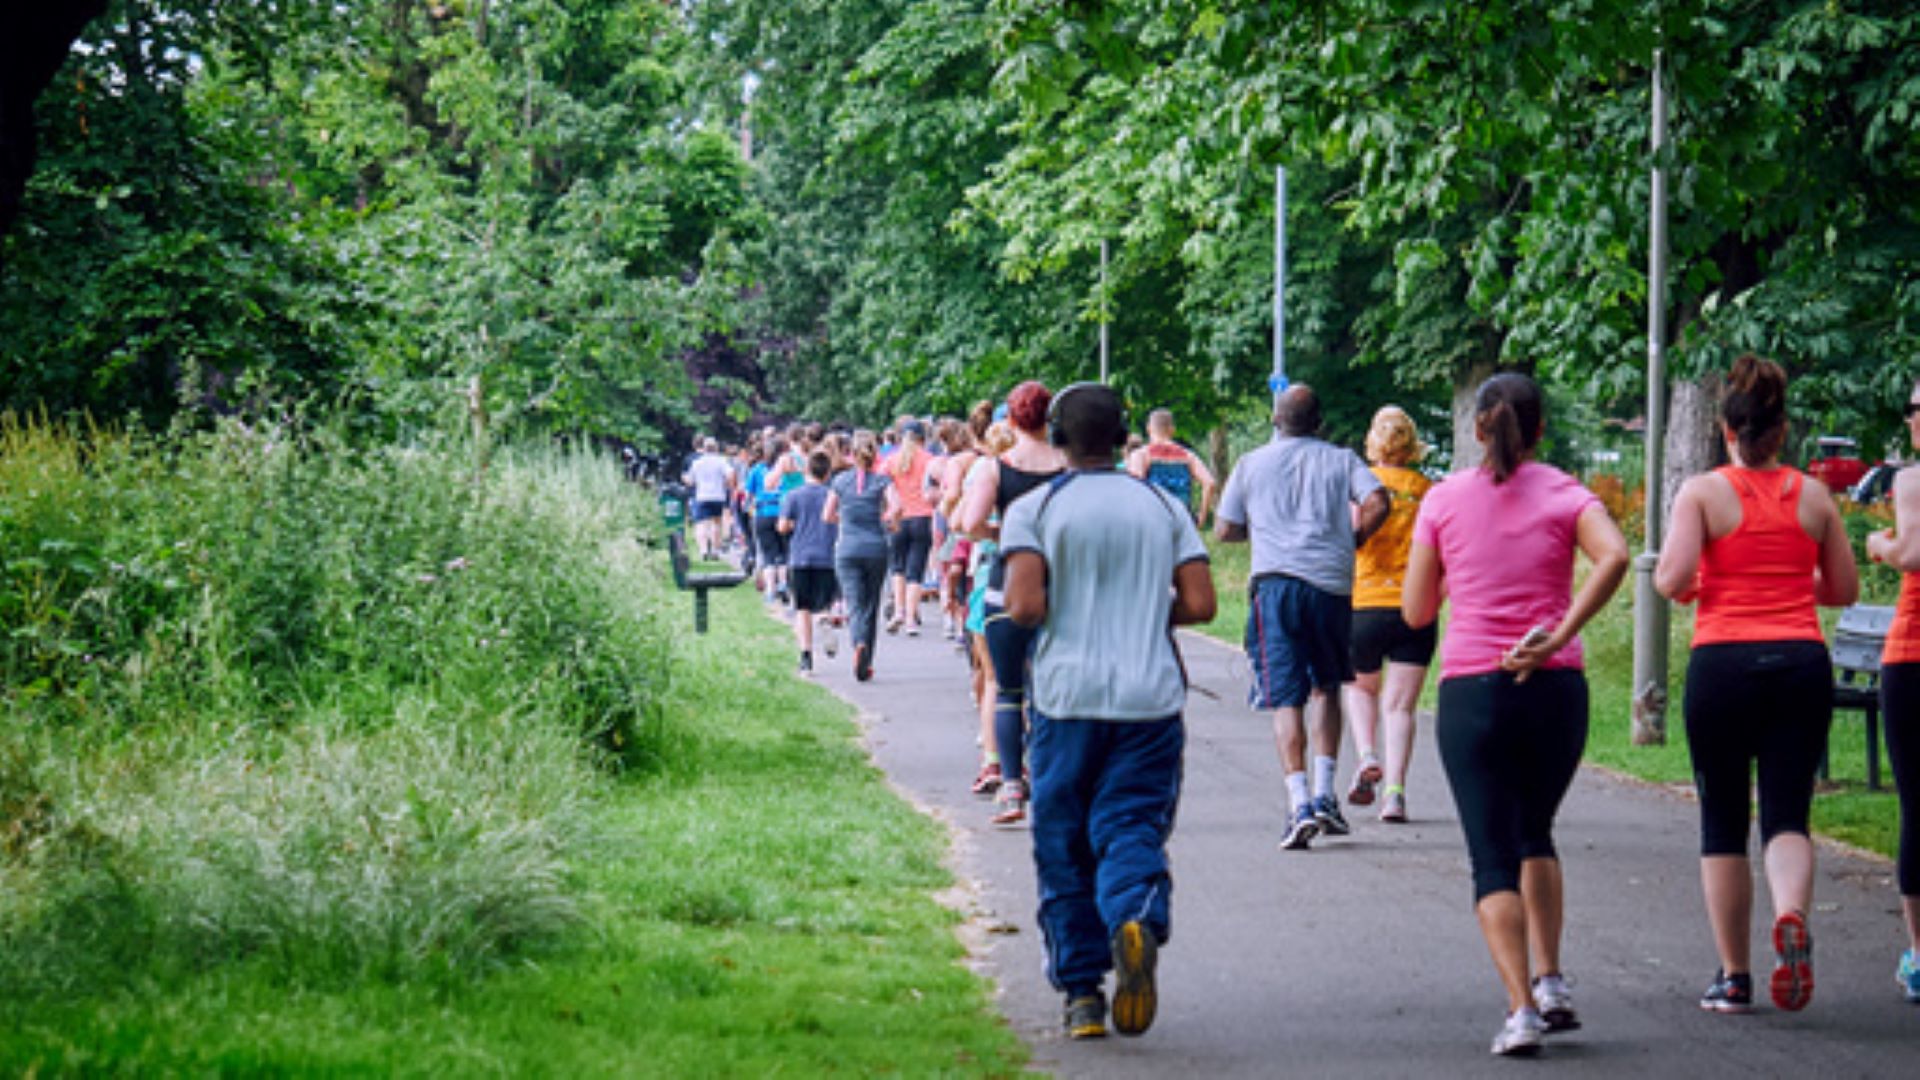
x: 1105, y: 566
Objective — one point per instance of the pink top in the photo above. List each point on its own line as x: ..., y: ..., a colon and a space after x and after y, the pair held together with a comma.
x: 1506, y: 551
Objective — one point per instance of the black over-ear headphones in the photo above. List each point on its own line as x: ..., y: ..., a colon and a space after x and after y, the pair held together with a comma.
x: 1058, y: 436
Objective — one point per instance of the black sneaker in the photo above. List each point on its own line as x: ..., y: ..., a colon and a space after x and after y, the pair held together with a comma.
x: 862, y: 663
x: 1087, y: 1016
x: 1135, y: 951
x: 1729, y: 993
x: 806, y: 663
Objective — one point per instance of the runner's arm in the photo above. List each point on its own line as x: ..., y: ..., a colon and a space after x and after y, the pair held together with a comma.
x: 977, y: 505
x: 1836, y: 583
x: 1372, y: 514
x: 830, y: 513
x: 1026, y: 588
x: 1193, y: 596
x: 1420, y: 595
x: 1678, y: 574
x: 1603, y: 545
x: 1899, y: 547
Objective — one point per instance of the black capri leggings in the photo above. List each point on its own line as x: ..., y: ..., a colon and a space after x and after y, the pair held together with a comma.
x: 1768, y: 703
x: 909, y: 548
x: 1510, y: 751
x: 1900, y: 701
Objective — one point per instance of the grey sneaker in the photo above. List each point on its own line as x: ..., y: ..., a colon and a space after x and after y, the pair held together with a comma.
x: 1520, y: 1035
x: 1553, y: 996
x: 829, y: 639
x: 1087, y: 1016
x: 1326, y: 810
x: 1393, y: 808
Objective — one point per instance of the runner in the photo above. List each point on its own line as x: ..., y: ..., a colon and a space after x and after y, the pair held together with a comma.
x: 1513, y: 697
x: 1899, y: 548
x: 1103, y: 567
x: 1305, y: 504
x: 810, y: 555
x: 1030, y: 464
x: 1171, y: 467
x: 983, y: 554
x: 856, y: 502
x: 712, y: 480
x: 956, y: 550
x: 1380, y: 635
x: 1758, y: 545
x: 913, y: 537
x: 770, y: 548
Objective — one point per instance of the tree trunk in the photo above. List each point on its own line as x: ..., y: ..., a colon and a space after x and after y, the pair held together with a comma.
x: 1466, y: 448
x: 1217, y: 457
x: 1693, y: 443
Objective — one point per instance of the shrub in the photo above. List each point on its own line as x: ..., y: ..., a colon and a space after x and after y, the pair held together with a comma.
x: 269, y: 696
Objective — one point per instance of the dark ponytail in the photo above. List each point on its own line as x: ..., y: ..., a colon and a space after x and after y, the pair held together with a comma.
x: 1755, y: 407
x: 1507, y: 417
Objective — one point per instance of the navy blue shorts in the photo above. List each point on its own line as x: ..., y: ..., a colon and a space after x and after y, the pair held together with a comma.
x: 705, y: 510
x: 1298, y: 641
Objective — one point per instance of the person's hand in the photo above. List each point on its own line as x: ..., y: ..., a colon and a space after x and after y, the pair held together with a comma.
x: 1526, y: 656
x: 1879, y: 545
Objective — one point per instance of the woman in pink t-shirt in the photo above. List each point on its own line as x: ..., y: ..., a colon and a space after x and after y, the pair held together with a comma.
x: 1513, y: 697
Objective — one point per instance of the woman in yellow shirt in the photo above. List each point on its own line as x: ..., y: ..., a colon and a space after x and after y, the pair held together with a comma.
x: 1381, y: 638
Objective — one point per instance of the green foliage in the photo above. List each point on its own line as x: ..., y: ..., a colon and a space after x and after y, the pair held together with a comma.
x: 398, y: 198
x: 268, y: 697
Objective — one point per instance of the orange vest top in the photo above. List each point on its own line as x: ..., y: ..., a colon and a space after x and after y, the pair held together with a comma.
x: 1756, y: 582
x: 1380, y: 564
x: 1903, y: 637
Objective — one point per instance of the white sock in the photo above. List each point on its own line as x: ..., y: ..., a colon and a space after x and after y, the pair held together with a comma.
x: 1296, y: 790
x: 1323, y: 769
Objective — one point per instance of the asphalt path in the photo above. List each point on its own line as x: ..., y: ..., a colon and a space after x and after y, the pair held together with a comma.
x: 1361, y: 957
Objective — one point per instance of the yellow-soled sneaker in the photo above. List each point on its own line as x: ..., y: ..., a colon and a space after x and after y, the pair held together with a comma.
x: 1087, y: 1017
x: 1135, y: 951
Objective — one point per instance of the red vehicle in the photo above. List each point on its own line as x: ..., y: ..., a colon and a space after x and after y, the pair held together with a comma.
x: 1837, y: 463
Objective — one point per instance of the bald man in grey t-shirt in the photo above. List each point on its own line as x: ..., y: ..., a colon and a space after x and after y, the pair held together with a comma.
x: 1306, y: 504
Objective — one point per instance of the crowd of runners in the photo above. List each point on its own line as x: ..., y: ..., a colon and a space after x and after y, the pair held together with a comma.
x: 1057, y: 549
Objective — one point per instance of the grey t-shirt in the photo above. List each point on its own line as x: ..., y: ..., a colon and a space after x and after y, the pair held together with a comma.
x: 710, y: 473
x: 863, y: 499
x: 810, y: 545
x: 1111, y: 544
x: 1296, y: 496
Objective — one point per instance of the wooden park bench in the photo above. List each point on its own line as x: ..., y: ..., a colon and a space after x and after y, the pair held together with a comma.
x: 698, y: 584
x: 1857, y: 640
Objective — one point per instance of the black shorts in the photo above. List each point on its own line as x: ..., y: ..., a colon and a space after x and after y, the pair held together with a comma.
x: 813, y: 587
x: 705, y: 510
x: 909, y: 548
x: 1380, y: 634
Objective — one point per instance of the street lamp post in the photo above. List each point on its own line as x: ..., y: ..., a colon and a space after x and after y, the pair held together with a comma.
x: 1650, y: 615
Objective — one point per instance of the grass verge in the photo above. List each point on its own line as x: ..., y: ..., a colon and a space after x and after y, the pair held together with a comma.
x: 761, y: 904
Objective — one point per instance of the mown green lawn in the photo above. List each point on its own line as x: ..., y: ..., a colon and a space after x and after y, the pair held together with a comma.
x: 1844, y: 809
x: 760, y: 905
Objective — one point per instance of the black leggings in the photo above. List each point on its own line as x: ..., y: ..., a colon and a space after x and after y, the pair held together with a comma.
x: 1764, y: 703
x: 1900, y: 702
x: 1510, y: 751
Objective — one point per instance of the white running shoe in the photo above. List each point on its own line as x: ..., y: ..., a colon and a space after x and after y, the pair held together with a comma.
x: 1520, y: 1035
x: 1553, y: 995
x: 829, y: 640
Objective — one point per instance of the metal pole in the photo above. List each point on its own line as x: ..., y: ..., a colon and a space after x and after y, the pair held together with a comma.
x: 1650, y: 629
x: 1103, y: 311
x: 1279, y: 276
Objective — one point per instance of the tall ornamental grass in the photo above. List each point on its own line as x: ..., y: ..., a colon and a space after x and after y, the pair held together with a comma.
x: 271, y: 698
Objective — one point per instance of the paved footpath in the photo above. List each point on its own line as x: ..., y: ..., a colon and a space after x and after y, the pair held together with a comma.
x: 1361, y: 958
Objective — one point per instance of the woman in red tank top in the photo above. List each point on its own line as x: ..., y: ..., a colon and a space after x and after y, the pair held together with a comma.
x: 1759, y: 545
x: 1899, y: 548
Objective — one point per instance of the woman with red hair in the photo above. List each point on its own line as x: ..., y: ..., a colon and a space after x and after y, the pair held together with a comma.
x: 1030, y: 464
